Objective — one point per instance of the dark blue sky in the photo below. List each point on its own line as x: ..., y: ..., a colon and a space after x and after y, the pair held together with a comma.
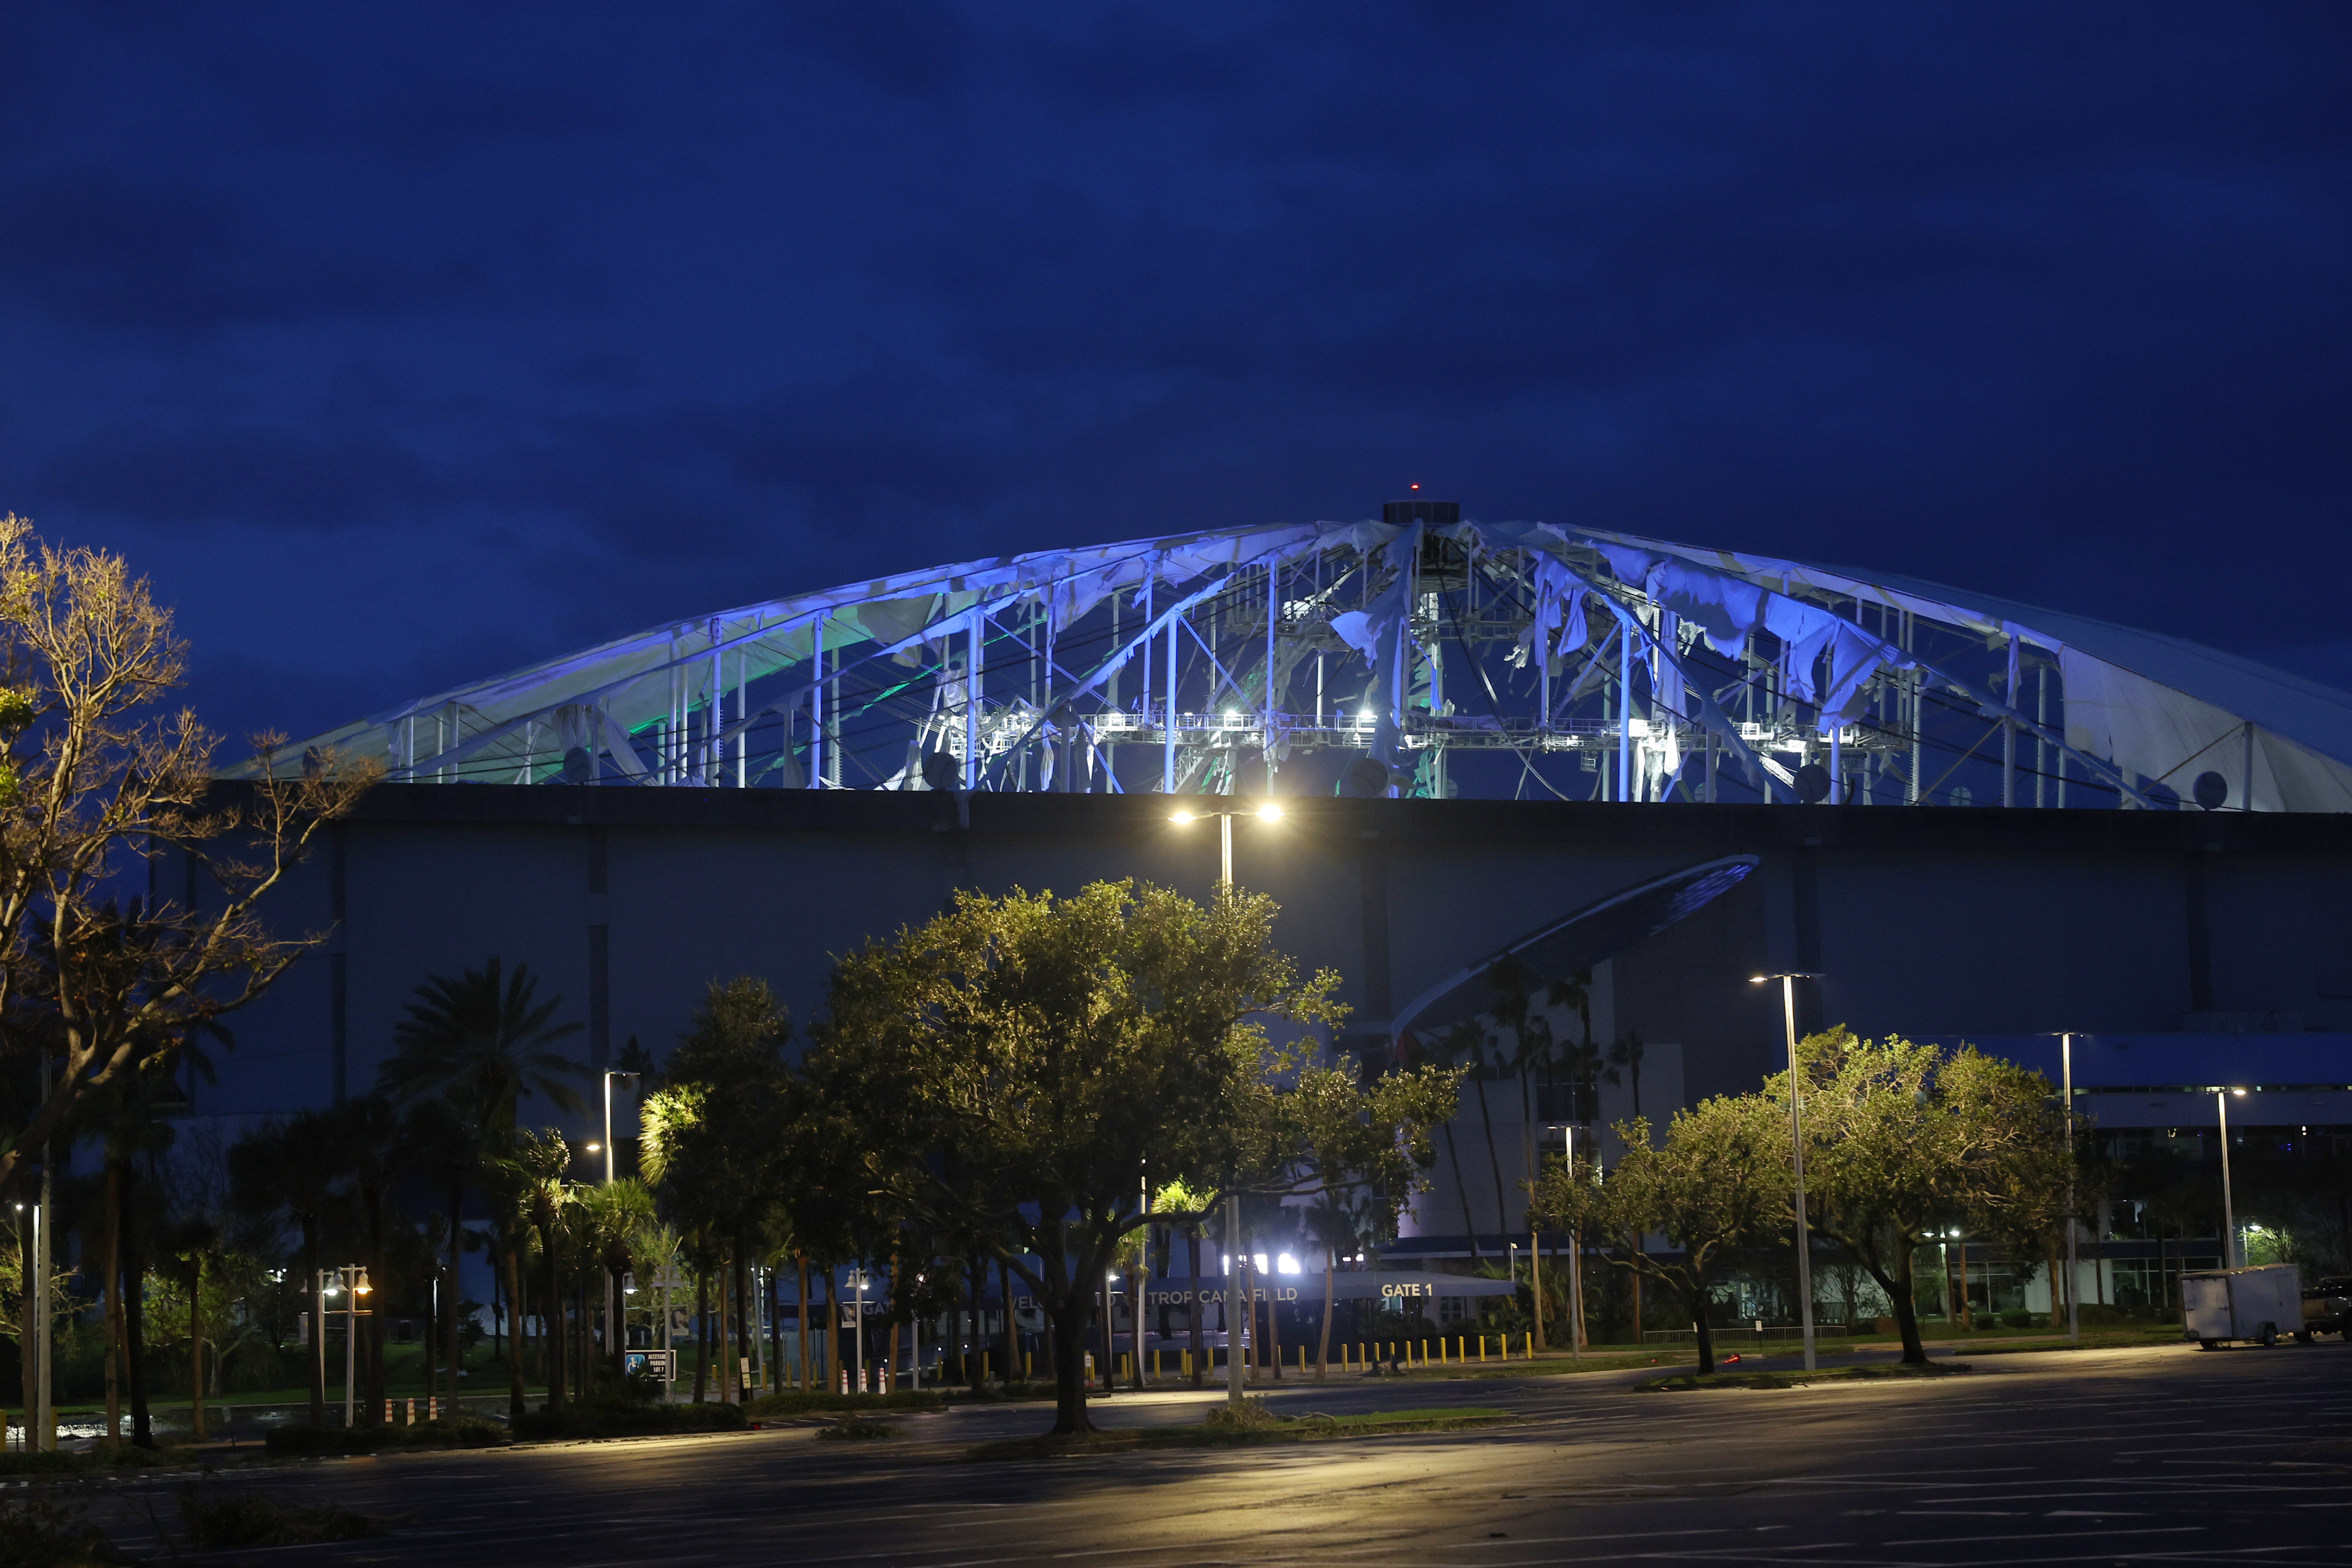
x: 406, y: 346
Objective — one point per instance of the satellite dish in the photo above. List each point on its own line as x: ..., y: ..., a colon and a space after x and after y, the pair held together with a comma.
x: 2212, y: 790
x: 942, y: 771
x: 1366, y: 778
x: 1812, y: 784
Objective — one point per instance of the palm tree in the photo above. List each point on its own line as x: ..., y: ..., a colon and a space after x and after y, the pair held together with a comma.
x: 480, y: 1042
x: 1452, y: 1158
x: 480, y: 1039
x: 537, y: 1168
x: 613, y: 1218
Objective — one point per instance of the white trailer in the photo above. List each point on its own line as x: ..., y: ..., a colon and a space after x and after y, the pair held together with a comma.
x: 2262, y: 1305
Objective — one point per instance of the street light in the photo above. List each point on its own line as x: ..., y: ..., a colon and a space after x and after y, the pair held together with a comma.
x: 349, y: 1281
x: 609, y: 1077
x: 2073, y: 1276
x: 1797, y: 1150
x: 1270, y: 811
x: 2233, y: 1254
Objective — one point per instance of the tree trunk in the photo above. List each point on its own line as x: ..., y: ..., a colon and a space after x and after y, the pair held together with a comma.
x: 1200, y: 1309
x: 113, y: 1303
x: 370, y: 1200
x: 1069, y: 1343
x: 1899, y: 1293
x: 551, y: 1320
x: 1454, y: 1157
x: 975, y: 1271
x: 196, y: 1346
x: 1706, y: 1331
x: 1272, y: 1359
x: 701, y: 1332
x: 516, y: 1397
x: 746, y: 1329
x: 1323, y: 1345
x: 134, y: 1325
x: 317, y: 1320
x: 1494, y: 1160
x: 800, y: 1340
x: 451, y: 1351
x: 1005, y: 1325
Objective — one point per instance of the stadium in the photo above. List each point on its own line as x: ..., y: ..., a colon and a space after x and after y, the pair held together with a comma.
x: 1658, y: 767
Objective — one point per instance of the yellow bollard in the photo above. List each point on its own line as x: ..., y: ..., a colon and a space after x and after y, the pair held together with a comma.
x: 1531, y: 1338
x: 1028, y: 1362
x: 1185, y: 1357
x: 983, y: 1355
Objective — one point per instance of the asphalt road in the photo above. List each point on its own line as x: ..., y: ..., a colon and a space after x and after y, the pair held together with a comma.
x: 2101, y: 1456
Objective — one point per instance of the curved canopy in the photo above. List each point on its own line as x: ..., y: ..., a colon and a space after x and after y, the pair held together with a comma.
x: 1418, y: 655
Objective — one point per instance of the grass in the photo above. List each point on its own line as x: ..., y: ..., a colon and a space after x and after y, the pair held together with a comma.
x: 1308, y: 1428
x: 1681, y: 1381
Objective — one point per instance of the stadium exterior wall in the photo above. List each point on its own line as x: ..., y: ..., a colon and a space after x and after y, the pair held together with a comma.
x: 1924, y: 922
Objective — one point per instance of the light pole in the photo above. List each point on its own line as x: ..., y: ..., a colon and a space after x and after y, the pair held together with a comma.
x: 1576, y: 1266
x: 857, y: 1283
x: 1797, y: 1151
x: 1269, y: 811
x: 2073, y: 1278
x: 2232, y: 1256
x: 349, y: 1281
x: 616, y: 1341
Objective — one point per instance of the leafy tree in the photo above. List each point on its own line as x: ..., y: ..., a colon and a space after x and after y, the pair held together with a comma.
x: 1901, y: 1140
x: 1011, y: 1069
x: 95, y: 778
x: 712, y: 1124
x: 1712, y: 1184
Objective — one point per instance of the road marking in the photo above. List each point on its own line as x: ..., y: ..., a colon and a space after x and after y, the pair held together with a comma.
x: 2052, y: 1536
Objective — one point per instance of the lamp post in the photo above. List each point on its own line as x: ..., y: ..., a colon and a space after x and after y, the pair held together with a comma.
x: 1576, y: 1266
x: 1269, y: 811
x: 615, y: 1339
x: 2073, y: 1281
x: 349, y: 1281
x: 857, y: 1341
x: 2232, y: 1256
x: 1797, y: 1151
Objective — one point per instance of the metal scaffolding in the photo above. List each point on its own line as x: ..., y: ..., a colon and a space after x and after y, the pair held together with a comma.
x: 1422, y: 656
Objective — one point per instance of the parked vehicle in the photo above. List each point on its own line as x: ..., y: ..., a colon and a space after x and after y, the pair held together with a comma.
x: 2327, y: 1307
x: 2256, y: 1305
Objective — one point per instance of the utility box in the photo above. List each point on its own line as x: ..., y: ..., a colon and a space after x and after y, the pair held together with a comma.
x: 2254, y: 1304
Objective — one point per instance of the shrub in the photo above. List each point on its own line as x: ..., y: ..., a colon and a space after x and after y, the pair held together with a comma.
x: 450, y: 1431
x: 2018, y: 1318
x: 40, y: 1533
x: 628, y: 1420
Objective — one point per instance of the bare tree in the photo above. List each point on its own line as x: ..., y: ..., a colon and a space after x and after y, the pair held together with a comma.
x: 95, y: 776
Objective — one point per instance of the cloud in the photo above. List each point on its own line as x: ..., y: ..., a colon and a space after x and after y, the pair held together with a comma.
x: 246, y: 475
